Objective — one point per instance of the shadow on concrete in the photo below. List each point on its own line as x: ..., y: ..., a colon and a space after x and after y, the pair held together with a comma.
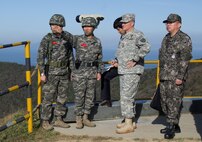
x: 160, y: 119
x: 94, y: 111
x: 138, y: 110
x: 143, y: 108
x: 196, y: 111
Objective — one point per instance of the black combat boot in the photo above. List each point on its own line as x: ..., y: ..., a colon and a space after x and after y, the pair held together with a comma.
x: 170, y: 133
x: 163, y: 131
x: 177, y: 129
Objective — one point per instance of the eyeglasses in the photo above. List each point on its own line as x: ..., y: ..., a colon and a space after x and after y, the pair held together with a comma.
x: 125, y: 23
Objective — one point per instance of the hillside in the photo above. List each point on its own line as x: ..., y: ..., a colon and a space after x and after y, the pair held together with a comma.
x: 13, y: 73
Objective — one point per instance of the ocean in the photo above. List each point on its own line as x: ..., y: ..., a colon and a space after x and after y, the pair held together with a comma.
x: 16, y: 55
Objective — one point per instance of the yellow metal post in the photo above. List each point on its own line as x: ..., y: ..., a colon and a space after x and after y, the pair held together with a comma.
x: 28, y: 78
x: 30, y: 119
x: 39, y: 91
x: 157, y: 75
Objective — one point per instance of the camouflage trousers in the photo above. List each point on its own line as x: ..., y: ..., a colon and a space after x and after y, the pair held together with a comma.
x: 84, y: 92
x: 171, y: 100
x: 54, y: 90
x: 129, y: 84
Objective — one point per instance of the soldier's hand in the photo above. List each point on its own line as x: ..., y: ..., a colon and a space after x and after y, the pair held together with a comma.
x: 115, y: 64
x: 112, y: 62
x: 98, y: 76
x: 131, y: 64
x: 43, y: 78
x: 178, y: 82
x: 72, y: 77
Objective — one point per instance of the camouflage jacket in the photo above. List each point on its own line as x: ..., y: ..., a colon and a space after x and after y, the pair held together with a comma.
x: 87, y: 51
x: 56, y: 53
x: 132, y: 46
x: 174, y: 56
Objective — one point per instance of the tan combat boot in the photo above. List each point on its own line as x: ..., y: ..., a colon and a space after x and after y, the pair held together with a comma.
x: 79, y: 122
x: 123, y: 123
x: 127, y: 128
x: 87, y: 122
x: 60, y: 123
x: 46, y: 125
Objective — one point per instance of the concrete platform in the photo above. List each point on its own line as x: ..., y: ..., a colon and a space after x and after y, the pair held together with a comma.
x: 148, y: 128
x: 142, y: 109
x: 149, y: 122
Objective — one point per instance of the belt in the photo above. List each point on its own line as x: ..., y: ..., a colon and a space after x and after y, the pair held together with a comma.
x: 89, y: 64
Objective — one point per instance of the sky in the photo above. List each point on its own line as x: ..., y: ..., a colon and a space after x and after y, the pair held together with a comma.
x: 29, y: 20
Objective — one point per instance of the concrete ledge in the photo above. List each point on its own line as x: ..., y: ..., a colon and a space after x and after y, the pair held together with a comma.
x: 142, y: 109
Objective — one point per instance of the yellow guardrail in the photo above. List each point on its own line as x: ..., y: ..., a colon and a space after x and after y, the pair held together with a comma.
x: 158, y: 69
x: 108, y: 62
x: 28, y: 116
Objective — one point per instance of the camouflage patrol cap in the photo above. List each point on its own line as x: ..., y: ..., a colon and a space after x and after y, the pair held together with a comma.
x: 173, y: 18
x: 57, y: 19
x: 89, y: 21
x: 128, y: 17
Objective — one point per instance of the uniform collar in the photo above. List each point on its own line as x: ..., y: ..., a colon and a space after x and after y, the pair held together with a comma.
x: 128, y: 33
x: 176, y: 35
x: 58, y: 35
x: 93, y: 38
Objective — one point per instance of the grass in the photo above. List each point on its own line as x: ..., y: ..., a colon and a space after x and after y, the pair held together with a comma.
x: 19, y: 133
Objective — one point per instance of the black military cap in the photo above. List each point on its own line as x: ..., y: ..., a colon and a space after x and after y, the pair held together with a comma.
x: 117, y: 23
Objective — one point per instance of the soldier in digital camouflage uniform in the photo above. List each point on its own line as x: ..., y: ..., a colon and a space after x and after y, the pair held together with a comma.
x: 130, y: 54
x: 55, y: 60
x: 174, y: 56
x: 88, y: 60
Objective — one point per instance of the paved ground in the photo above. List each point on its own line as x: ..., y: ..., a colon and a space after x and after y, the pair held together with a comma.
x: 148, y: 128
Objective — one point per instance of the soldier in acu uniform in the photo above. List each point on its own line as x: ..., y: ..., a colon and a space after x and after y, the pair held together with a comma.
x: 174, y: 56
x: 54, y: 60
x: 133, y: 47
x: 88, y: 61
